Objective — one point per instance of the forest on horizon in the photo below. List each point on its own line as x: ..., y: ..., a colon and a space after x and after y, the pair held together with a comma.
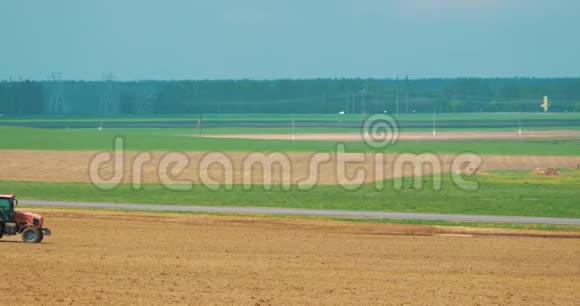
x: 149, y: 98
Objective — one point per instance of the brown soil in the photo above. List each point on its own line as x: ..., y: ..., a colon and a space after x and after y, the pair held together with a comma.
x: 545, y: 171
x: 463, y: 135
x: 134, y: 258
x: 73, y: 166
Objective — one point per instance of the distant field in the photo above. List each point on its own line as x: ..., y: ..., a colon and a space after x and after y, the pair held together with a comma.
x: 308, y: 123
x: 303, y: 117
x: 501, y: 193
x: 173, y: 140
x: 288, y: 130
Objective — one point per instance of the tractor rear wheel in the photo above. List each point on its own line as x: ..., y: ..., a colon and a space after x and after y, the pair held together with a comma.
x: 31, y: 235
x: 41, y: 236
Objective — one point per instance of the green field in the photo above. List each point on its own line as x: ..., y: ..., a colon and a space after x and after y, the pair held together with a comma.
x: 174, y: 140
x: 502, y: 193
x: 302, y: 117
x: 288, y: 130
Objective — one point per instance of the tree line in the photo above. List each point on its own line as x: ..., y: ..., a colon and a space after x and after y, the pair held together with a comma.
x: 146, y: 98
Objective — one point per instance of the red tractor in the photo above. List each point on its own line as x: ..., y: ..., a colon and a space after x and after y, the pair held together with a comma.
x: 15, y: 222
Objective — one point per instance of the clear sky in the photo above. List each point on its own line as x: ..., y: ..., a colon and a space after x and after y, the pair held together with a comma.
x: 270, y: 39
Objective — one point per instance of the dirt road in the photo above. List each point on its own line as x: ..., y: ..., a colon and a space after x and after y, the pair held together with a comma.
x: 439, y: 136
x: 304, y: 212
x: 130, y: 258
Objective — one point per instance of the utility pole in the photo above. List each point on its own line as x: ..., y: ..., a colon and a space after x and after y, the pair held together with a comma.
x: 519, y: 121
x: 434, y: 131
x: 452, y: 95
x: 364, y: 99
x: 360, y: 95
x: 20, y: 98
x: 376, y: 104
x: 107, y: 101
x: 293, y: 137
x: 56, y: 101
x: 452, y: 108
x: 149, y: 101
x: 144, y: 98
x: 397, y: 93
x: 406, y: 94
x: 198, y: 126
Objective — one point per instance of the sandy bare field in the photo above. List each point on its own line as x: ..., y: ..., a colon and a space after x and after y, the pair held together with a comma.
x: 73, y: 166
x: 441, y: 135
x: 132, y: 258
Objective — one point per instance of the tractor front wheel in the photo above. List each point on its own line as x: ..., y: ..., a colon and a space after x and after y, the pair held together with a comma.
x: 32, y: 235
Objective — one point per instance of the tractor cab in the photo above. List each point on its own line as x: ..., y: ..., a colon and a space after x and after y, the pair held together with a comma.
x: 7, y: 203
x: 14, y: 222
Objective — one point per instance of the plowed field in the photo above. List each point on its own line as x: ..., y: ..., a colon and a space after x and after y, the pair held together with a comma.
x: 138, y: 258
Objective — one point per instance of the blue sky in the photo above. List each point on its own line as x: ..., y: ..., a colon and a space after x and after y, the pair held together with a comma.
x: 261, y: 39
